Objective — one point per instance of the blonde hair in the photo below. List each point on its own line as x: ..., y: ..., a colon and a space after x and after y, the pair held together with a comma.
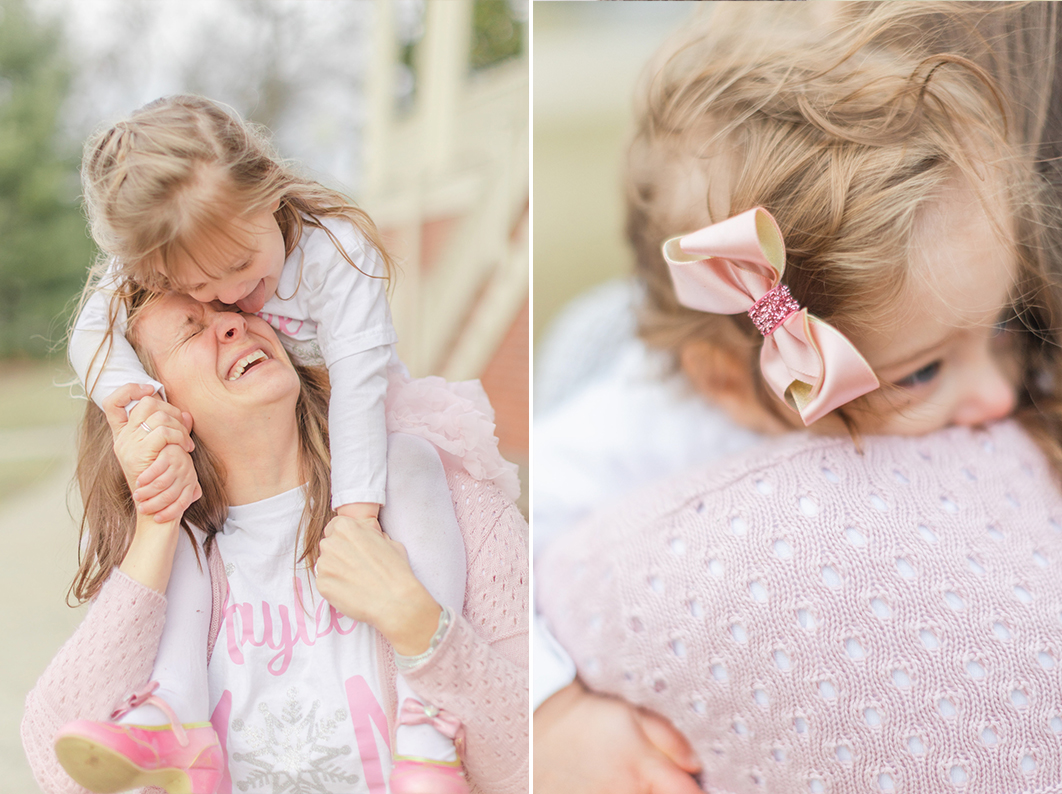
x: 844, y: 130
x: 109, y: 518
x: 181, y: 169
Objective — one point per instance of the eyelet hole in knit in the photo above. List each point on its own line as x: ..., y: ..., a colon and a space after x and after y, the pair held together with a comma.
x: 1019, y: 698
x: 758, y: 591
x: 954, y: 601
x: 778, y: 754
x: 816, y: 786
x: 880, y: 608
x: 719, y: 672
x: 830, y: 577
x: 975, y: 670
x: 994, y: 533
x: 737, y: 631
x: 699, y: 707
x: 800, y: 725
x: 948, y: 506
x: 827, y: 691
x: 738, y: 727
x: 696, y: 608
x: 969, y: 475
x: 914, y: 744
x: 764, y: 487
x: 1012, y: 500
x: 946, y: 708
x: 1046, y: 660
x: 899, y: 477
x: 1028, y: 764
x: 1001, y: 631
x: 855, y: 649
x: 844, y: 754
x: 715, y: 568
x: 855, y: 537
x: 1054, y: 525
x: 738, y: 526
x: 975, y: 566
x: 927, y: 534
x: 805, y: 619
x: 929, y: 640
x: 989, y: 738
x: 905, y: 569
x: 656, y: 584
x: 1056, y: 724
x: 783, y: 550
x: 760, y: 697
x: 957, y: 775
x: 781, y: 660
x: 678, y: 546
x: 878, y: 503
x: 871, y: 717
x: 830, y: 475
x: 678, y: 648
x: 1040, y: 559
x: 808, y: 506
x: 1022, y: 594
x: 901, y: 679
x: 885, y: 782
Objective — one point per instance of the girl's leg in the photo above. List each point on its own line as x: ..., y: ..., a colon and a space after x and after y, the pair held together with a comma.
x: 420, y: 515
x: 181, y: 667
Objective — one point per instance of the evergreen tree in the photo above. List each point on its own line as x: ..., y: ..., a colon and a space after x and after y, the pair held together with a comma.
x: 45, y: 249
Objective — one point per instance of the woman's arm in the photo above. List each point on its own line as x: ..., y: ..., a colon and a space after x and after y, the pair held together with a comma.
x: 479, y: 671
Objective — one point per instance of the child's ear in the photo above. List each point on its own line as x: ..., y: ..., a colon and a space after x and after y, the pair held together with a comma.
x: 723, y: 377
x: 718, y: 374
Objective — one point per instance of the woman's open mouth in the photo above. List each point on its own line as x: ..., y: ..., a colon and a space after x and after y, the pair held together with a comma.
x: 246, y: 363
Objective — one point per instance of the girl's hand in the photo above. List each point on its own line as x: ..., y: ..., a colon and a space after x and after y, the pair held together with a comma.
x: 366, y: 576
x: 152, y: 445
x: 592, y: 744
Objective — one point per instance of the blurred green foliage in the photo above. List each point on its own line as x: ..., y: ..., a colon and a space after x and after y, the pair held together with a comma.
x: 45, y: 249
x: 497, y: 34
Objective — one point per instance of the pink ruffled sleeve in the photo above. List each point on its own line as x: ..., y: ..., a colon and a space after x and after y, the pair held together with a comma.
x: 479, y: 671
x: 109, y: 656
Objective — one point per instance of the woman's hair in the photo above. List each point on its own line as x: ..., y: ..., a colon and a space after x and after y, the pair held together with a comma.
x: 109, y: 518
x: 175, y: 174
x: 844, y: 129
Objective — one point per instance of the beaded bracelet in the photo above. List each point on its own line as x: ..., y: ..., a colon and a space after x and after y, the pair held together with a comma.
x: 409, y: 662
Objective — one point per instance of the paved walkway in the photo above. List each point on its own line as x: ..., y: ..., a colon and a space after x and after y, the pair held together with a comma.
x: 39, y: 541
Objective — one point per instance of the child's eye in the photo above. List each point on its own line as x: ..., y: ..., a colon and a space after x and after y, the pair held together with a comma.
x: 243, y: 267
x: 921, y: 376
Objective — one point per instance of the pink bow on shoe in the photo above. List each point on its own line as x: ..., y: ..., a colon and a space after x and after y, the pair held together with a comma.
x: 414, y: 712
x: 736, y: 266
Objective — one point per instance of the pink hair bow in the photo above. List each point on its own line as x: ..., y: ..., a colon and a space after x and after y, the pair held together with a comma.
x: 413, y: 712
x: 736, y: 266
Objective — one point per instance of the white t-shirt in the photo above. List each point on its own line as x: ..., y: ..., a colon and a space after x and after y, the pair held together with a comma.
x: 324, y: 310
x: 294, y: 685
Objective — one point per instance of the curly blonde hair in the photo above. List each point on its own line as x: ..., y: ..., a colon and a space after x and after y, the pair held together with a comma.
x: 844, y: 129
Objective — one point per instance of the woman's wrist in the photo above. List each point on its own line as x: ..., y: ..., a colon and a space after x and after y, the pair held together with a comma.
x: 406, y: 663
x: 411, y: 632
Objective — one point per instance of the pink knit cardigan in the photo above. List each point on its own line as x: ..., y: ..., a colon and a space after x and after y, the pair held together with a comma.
x: 478, y: 673
x: 817, y: 620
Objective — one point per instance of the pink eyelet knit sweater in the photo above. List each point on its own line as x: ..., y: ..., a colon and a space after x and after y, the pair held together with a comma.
x: 816, y: 620
x: 478, y: 673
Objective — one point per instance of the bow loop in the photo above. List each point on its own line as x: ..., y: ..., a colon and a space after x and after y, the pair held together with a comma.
x: 413, y: 712
x: 736, y: 266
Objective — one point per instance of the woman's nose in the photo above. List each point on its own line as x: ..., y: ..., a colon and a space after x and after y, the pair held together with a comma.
x: 991, y: 395
x: 229, y: 325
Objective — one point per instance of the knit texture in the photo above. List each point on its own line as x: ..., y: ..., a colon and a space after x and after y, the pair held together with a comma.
x: 479, y: 672
x: 816, y: 620
x: 480, y: 668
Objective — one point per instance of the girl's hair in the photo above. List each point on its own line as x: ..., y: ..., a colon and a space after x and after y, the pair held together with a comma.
x: 176, y: 172
x: 844, y: 129
x: 109, y: 518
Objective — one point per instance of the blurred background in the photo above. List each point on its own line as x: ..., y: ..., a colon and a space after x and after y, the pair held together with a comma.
x: 418, y: 110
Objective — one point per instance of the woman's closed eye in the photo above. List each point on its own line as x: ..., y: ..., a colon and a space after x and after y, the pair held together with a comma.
x: 921, y: 376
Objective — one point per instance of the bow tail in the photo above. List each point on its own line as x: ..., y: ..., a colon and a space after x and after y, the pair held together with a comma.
x: 813, y: 367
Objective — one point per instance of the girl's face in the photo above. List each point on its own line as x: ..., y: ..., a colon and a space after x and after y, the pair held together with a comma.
x: 947, y: 358
x: 242, y: 268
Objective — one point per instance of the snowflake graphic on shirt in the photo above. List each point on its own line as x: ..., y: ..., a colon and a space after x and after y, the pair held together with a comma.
x: 288, y: 752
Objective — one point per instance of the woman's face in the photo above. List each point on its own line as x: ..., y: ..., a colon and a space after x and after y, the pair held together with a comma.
x: 221, y: 366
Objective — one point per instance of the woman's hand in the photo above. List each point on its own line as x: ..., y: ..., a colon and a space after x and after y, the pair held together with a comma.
x: 366, y: 576
x: 592, y: 744
x: 152, y: 445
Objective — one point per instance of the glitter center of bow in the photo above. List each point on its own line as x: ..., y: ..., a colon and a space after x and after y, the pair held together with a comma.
x: 773, y: 309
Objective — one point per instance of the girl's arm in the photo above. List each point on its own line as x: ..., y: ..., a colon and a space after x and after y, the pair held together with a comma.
x: 479, y: 672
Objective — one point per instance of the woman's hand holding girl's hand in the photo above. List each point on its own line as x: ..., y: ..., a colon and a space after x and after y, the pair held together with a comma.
x: 592, y: 744
x: 152, y: 445
x: 366, y: 576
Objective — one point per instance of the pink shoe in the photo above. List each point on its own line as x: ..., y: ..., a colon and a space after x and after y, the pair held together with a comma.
x: 421, y: 776
x: 108, y: 757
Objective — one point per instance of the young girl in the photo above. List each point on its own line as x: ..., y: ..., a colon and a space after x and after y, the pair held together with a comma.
x: 184, y: 197
x: 910, y: 221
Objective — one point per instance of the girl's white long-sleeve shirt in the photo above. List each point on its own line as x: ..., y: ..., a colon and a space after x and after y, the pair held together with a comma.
x: 323, y: 309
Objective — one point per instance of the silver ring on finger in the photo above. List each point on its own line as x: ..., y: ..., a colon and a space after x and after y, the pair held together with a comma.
x: 144, y: 427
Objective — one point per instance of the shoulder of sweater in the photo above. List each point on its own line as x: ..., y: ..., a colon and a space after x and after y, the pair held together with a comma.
x: 803, y: 457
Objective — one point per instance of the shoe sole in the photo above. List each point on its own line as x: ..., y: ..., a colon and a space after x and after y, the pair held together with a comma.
x: 100, y: 769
